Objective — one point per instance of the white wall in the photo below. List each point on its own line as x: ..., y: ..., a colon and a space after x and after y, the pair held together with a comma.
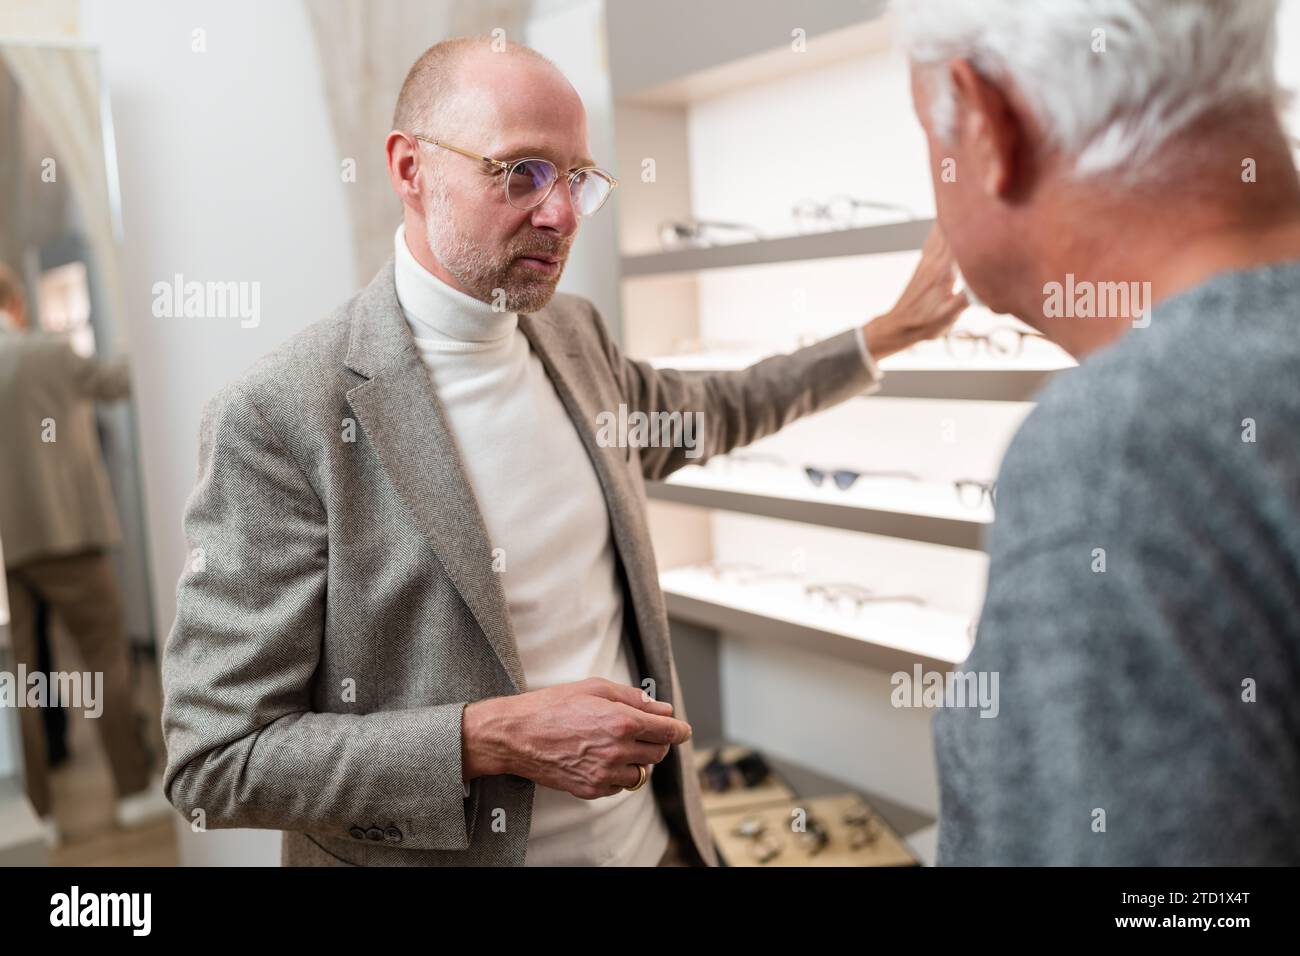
x: 572, y: 34
x: 229, y: 173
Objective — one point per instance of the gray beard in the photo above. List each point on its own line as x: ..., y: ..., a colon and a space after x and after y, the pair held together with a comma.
x: 496, y: 280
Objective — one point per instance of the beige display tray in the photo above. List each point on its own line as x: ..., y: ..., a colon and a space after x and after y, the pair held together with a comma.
x: 887, y: 850
x: 739, y: 797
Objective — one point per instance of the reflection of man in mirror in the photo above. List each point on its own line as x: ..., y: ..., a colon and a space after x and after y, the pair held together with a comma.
x: 58, y: 522
x: 13, y: 318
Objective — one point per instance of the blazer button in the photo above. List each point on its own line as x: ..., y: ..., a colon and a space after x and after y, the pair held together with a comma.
x: 374, y: 833
x: 393, y: 835
x: 357, y: 833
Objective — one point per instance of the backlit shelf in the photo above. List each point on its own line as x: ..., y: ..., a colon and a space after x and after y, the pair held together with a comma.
x: 867, y: 240
x: 899, y: 508
x: 886, y: 636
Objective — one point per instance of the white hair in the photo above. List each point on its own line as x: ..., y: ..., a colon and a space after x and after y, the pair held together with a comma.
x: 1164, y: 64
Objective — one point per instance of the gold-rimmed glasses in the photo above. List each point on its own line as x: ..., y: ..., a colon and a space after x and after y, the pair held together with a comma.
x: 529, y: 181
x: 1004, y: 342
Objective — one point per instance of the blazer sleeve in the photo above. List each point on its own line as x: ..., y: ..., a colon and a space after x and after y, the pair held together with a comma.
x: 107, y: 380
x: 739, y: 407
x: 244, y: 745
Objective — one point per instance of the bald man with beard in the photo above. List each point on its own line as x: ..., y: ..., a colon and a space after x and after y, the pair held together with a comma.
x: 427, y: 629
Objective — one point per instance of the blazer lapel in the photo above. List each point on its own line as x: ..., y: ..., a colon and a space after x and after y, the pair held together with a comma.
x: 572, y: 376
x: 399, y: 409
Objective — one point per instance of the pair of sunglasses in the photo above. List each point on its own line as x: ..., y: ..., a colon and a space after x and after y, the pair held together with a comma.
x: 846, y: 478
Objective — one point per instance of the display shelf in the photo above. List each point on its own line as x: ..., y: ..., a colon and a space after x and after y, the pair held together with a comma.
x: 951, y: 382
x: 893, y: 636
x: 670, y: 109
x: 725, y: 52
x: 917, y: 511
x: 867, y: 240
x: 803, y: 784
x: 739, y: 797
x: 810, y: 783
x: 888, y: 849
x: 982, y: 385
x: 806, y: 782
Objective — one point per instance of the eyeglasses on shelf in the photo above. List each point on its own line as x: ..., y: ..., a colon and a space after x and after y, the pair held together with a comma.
x: 973, y: 493
x: 846, y: 478
x: 864, y: 829
x: 854, y: 597
x: 701, y: 233
x: 1004, y: 342
x: 810, y: 833
x: 739, y: 572
x: 841, y: 212
x: 763, y: 847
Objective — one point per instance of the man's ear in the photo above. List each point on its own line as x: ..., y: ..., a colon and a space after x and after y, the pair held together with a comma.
x: 988, y: 128
x: 403, y: 154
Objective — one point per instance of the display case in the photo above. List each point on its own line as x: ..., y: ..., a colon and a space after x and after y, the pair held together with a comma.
x: 776, y: 191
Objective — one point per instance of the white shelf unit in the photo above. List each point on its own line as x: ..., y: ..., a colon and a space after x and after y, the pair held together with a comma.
x: 831, y: 244
x: 744, y: 107
x: 923, y: 512
x: 664, y: 294
x: 938, y: 384
x: 966, y: 384
x: 887, y: 637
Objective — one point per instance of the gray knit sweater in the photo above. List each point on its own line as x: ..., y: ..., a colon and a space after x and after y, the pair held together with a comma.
x: 1148, y: 713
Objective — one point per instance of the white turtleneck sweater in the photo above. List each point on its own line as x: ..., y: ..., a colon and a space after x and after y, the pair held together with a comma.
x: 543, y: 506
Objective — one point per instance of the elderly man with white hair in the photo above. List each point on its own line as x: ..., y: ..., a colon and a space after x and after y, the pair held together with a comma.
x: 1115, y: 173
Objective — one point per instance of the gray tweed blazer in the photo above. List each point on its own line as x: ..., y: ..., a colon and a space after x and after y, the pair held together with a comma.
x: 339, y: 608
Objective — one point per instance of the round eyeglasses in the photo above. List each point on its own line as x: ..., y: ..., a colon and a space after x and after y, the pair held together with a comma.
x: 529, y: 181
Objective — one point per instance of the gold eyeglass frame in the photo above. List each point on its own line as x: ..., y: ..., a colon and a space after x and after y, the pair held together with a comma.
x: 509, y: 167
